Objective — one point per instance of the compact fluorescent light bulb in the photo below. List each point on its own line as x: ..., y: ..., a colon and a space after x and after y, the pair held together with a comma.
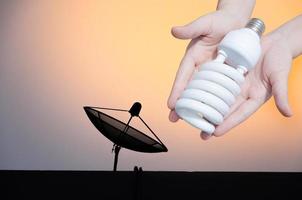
x: 214, y: 87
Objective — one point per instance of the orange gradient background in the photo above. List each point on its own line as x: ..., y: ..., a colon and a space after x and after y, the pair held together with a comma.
x: 57, y: 56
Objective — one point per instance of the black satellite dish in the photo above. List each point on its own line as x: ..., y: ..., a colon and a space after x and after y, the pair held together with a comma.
x: 122, y: 134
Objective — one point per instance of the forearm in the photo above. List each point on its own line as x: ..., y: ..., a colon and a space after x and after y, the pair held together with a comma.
x: 242, y: 10
x: 292, y: 32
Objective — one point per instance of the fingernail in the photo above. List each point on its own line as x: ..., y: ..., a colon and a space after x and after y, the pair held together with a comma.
x: 172, y: 117
x: 205, y: 136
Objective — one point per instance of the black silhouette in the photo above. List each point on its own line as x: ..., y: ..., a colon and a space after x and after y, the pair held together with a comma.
x: 123, y: 135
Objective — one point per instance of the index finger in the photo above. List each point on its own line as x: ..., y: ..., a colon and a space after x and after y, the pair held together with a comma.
x: 184, y: 73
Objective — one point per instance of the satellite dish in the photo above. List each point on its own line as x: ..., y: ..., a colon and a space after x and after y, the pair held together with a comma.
x: 122, y: 134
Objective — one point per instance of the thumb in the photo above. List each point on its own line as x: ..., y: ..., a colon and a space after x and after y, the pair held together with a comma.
x: 200, y: 26
x: 280, y: 92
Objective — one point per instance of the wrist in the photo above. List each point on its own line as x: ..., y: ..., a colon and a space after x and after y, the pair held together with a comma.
x: 291, y: 32
x: 234, y: 8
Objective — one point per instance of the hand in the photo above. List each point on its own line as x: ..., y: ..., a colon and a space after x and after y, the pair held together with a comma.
x: 206, y: 32
x: 268, y: 78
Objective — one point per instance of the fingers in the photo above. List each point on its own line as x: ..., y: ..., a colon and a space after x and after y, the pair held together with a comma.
x: 278, y: 61
x: 244, y: 111
x: 205, y: 136
x: 200, y: 26
x: 184, y: 73
x: 280, y: 92
x: 173, y: 117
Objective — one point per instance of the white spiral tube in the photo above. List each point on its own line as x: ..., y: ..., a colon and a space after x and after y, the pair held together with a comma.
x: 209, y: 95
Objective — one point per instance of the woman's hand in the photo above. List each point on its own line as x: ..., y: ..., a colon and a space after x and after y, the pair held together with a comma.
x: 268, y: 78
x: 206, y: 32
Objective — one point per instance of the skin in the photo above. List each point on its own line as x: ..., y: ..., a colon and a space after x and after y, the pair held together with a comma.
x: 268, y: 78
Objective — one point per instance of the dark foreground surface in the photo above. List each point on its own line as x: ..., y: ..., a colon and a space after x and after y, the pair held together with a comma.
x: 149, y: 185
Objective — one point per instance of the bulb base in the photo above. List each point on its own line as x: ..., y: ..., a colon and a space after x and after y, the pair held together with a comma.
x: 256, y: 25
